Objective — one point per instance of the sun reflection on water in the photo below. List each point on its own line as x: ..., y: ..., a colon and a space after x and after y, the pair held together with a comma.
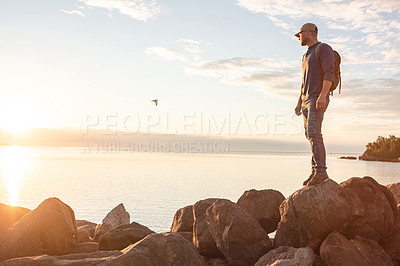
x: 15, y: 162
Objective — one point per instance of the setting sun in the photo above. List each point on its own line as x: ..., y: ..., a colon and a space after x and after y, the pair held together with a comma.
x: 17, y: 115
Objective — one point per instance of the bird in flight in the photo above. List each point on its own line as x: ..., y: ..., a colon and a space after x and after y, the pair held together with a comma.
x: 155, y: 101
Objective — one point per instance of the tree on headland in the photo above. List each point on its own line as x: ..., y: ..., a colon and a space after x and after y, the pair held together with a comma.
x: 383, y: 148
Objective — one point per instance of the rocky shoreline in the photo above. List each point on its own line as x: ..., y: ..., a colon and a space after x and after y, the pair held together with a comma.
x: 377, y: 159
x: 356, y: 222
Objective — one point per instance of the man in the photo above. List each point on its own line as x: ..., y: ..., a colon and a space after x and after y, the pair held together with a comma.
x: 318, y: 72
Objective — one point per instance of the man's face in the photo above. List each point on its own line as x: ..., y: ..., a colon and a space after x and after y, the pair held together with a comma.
x: 304, y: 37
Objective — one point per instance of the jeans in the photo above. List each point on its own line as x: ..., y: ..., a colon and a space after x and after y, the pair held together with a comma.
x: 312, y: 125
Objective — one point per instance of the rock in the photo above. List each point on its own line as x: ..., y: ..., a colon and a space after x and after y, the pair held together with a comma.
x: 95, y: 258
x: 336, y: 249
x: 395, y: 189
x: 116, y: 217
x: 183, y: 220
x: 89, y: 229
x: 238, y: 236
x: 82, y: 235
x: 80, y: 223
x: 160, y: 249
x: 318, y: 261
x: 123, y: 236
x: 398, y: 213
x: 187, y: 235
x: 88, y: 226
x: 392, y: 244
x: 287, y: 256
x: 217, y: 262
x: 48, y: 229
x: 155, y: 249
x: 86, y: 247
x: 311, y: 213
x: 263, y: 205
x: 9, y: 215
x: 380, y: 210
x: 348, y: 157
x: 379, y: 159
x: 202, y: 238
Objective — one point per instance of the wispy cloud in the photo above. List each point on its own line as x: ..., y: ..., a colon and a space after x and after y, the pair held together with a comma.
x: 73, y: 12
x: 136, y: 9
x: 377, y: 97
x: 276, y: 76
x: 161, y: 53
x: 369, y: 26
x: 190, y: 46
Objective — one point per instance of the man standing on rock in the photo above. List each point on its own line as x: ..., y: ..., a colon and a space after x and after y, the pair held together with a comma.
x: 318, y: 72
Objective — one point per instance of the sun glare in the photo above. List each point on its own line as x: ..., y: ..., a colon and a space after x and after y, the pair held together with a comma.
x: 14, y: 165
x: 17, y: 115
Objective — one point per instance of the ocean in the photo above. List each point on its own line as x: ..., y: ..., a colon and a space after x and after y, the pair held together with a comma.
x: 153, y: 185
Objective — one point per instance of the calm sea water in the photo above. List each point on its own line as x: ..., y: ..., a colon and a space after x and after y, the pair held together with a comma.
x: 153, y: 186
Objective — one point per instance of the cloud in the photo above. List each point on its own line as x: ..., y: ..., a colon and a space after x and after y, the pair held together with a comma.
x: 136, y: 9
x: 73, y: 12
x: 191, y: 46
x: 161, y: 53
x: 376, y: 98
x: 363, y: 101
x: 370, y: 28
x: 270, y: 75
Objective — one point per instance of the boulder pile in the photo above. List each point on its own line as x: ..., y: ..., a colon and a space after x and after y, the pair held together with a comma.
x: 356, y: 222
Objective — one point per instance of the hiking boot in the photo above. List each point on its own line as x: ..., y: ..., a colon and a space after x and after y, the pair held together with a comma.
x: 317, y: 179
x: 308, y: 179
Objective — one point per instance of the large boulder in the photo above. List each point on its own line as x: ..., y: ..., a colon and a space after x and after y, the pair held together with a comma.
x: 336, y: 249
x: 202, y: 238
x: 9, y: 215
x: 187, y: 235
x: 183, y: 220
x: 238, y: 236
x: 156, y: 249
x: 87, y: 259
x: 380, y: 209
x: 395, y: 189
x: 116, y: 217
x: 287, y: 256
x: 392, y: 244
x: 263, y: 205
x: 311, y: 213
x: 48, y: 229
x: 160, y: 249
x: 123, y: 236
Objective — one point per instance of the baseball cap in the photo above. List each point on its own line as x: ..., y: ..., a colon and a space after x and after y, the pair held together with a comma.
x: 307, y: 26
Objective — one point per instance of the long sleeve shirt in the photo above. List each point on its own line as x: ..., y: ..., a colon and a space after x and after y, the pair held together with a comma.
x: 316, y: 70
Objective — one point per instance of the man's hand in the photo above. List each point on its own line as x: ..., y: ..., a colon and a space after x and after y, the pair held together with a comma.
x: 321, y: 103
x: 297, y: 110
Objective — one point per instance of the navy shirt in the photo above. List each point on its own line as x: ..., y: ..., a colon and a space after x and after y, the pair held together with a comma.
x: 316, y: 71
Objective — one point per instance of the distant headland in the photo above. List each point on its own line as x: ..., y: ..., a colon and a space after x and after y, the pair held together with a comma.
x: 383, y: 149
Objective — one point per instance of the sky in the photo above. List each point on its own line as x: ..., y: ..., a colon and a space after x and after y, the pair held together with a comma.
x: 228, y: 68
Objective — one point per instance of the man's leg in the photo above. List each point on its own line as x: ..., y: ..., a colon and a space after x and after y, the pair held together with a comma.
x: 314, y: 135
x: 305, y: 111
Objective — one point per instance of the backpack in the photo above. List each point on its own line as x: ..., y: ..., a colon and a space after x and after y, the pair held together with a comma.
x: 336, y: 77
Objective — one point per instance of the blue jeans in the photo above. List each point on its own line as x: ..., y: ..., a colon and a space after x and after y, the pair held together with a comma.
x: 312, y: 124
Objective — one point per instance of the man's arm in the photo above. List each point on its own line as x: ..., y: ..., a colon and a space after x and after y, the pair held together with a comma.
x: 321, y: 101
x: 328, y: 68
x: 297, y: 110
